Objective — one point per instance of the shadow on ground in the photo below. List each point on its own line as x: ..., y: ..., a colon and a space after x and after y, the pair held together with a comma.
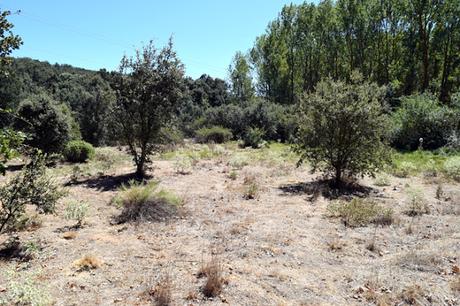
x: 328, y: 189
x: 105, y: 182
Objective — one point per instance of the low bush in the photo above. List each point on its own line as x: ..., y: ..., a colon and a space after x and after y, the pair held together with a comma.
x: 144, y: 202
x: 417, y: 204
x: 214, y: 134
x: 214, y: 284
x: 76, y: 211
x: 254, y: 138
x: 452, y: 167
x: 78, y: 151
x: 360, y: 212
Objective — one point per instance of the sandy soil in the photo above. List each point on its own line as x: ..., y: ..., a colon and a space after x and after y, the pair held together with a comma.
x: 280, y: 248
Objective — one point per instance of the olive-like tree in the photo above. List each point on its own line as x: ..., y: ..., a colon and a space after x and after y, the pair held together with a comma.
x: 343, y: 129
x: 148, y: 89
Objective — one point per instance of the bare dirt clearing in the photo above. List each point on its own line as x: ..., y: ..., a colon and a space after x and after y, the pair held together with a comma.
x: 278, y: 246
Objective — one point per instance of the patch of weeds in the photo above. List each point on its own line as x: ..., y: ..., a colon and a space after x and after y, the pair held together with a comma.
x: 87, y: 262
x: 76, y: 210
x: 145, y: 203
x: 382, y: 180
x: 29, y: 223
x: 413, y: 295
x: 405, y: 169
x: 417, y: 205
x: 420, y: 261
x: 238, y: 161
x: 455, y: 284
x: 233, y: 175
x: 335, y: 245
x: 452, y: 168
x: 183, y: 165
x: 213, y: 271
x: 251, y: 187
x: 24, y: 288
x: 162, y: 292
x: 439, y: 192
x: 360, y: 212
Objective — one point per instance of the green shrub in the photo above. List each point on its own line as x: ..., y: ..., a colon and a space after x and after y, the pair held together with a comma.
x: 47, y: 123
x: 76, y: 211
x: 214, y: 134
x: 360, y: 212
x: 31, y: 186
x: 78, y: 151
x: 254, y: 138
x: 452, y: 167
x: 342, y: 129
x: 422, y: 117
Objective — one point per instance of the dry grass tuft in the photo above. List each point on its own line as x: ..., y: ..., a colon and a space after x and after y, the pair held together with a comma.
x: 162, y: 292
x: 69, y: 235
x: 251, y: 187
x: 88, y: 262
x: 335, y: 245
x: 420, y: 261
x: 412, y: 295
x: 214, y: 280
x: 455, y: 285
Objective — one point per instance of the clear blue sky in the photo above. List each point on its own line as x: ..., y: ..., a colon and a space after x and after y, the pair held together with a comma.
x: 95, y: 34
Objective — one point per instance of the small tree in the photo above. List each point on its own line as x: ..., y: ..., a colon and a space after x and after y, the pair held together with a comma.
x: 342, y: 128
x: 148, y: 90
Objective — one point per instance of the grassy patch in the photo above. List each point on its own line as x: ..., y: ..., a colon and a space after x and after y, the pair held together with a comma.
x: 360, y: 212
x: 423, y: 162
x: 145, y: 202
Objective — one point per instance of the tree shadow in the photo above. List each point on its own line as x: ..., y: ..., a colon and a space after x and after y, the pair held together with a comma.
x: 328, y: 189
x: 106, y: 182
x: 13, y: 249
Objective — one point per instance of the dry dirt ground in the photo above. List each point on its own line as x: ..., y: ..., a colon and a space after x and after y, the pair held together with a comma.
x: 280, y: 248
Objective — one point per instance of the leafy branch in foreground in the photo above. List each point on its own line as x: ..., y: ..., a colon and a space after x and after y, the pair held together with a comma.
x: 31, y: 186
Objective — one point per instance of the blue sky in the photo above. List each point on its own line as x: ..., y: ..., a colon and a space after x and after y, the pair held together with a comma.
x: 95, y: 34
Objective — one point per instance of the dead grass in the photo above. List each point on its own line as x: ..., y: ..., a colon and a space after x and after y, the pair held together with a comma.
x: 455, y: 285
x: 88, y: 262
x: 251, y: 187
x: 69, y: 235
x: 162, y: 292
x: 413, y: 295
x: 213, y: 271
x: 423, y: 261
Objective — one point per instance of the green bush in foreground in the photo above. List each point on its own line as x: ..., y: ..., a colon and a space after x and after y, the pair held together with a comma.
x: 31, y: 186
x: 215, y: 134
x: 78, y: 151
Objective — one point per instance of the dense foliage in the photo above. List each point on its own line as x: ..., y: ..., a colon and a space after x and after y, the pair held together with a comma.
x: 412, y: 45
x: 47, y: 123
x: 78, y: 151
x: 215, y: 134
x: 343, y: 128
